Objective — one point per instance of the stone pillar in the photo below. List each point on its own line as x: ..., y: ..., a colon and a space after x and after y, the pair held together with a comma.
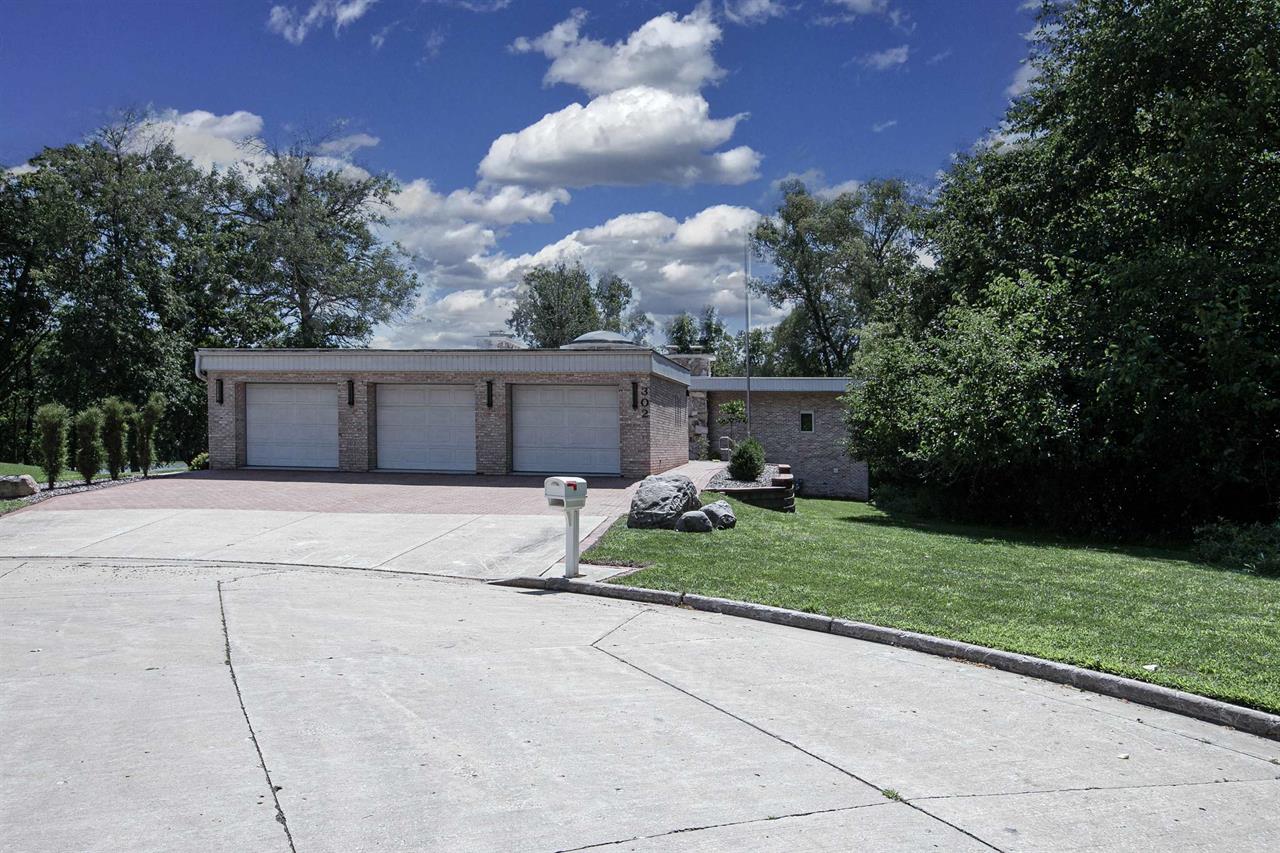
x: 698, y: 364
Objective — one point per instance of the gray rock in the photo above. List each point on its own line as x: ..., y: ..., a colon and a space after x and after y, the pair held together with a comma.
x: 694, y: 521
x: 721, y: 515
x: 17, y: 486
x: 661, y: 499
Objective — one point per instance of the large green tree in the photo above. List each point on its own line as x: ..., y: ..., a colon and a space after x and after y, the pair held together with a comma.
x: 557, y: 303
x: 1139, y: 174
x: 42, y: 232
x: 119, y: 257
x: 136, y: 291
x: 309, y: 248
x: 619, y: 312
x: 686, y: 333
x: 836, y: 258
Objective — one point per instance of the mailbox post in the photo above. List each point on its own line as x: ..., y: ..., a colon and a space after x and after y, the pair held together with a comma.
x: 569, y: 494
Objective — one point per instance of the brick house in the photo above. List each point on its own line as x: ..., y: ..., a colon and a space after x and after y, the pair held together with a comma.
x: 598, y: 406
x: 798, y: 420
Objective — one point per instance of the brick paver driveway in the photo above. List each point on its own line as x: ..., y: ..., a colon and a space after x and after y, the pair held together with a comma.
x: 484, y: 528
x: 330, y: 491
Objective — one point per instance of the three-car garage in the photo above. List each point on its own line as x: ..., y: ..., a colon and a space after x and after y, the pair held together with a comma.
x: 597, y: 409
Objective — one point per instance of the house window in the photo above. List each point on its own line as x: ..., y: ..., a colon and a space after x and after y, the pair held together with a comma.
x: 806, y: 421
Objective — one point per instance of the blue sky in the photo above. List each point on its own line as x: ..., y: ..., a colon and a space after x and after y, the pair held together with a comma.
x: 639, y: 136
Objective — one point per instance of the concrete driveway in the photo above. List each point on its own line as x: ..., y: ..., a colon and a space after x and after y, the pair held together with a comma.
x: 209, y: 707
x: 482, y: 528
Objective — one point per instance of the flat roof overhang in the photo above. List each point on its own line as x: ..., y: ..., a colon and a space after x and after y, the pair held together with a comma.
x: 827, y: 384
x: 529, y: 361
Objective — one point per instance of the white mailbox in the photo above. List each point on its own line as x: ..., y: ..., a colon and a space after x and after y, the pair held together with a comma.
x: 570, y: 495
x: 566, y: 492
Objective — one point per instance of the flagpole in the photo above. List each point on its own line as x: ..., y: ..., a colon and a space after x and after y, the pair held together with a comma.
x: 746, y: 294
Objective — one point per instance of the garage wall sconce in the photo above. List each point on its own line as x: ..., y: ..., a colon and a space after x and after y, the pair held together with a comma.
x: 488, y: 393
x: 217, y: 389
x: 351, y: 392
x: 635, y: 395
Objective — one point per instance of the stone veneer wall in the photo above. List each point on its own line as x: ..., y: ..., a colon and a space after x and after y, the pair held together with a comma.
x: 357, y: 424
x: 698, y: 364
x: 817, y: 458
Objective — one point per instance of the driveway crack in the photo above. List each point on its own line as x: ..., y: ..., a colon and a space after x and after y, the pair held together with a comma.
x: 426, y: 542
x: 721, y: 826
x: 1085, y: 788
x: 624, y: 623
x: 794, y: 746
x: 11, y: 571
x: 253, y: 735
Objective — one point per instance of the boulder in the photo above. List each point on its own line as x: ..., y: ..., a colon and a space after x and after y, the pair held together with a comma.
x: 661, y: 499
x: 721, y: 515
x: 17, y: 486
x: 694, y: 521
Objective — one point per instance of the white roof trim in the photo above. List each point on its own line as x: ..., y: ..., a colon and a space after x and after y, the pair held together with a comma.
x: 437, y: 361
x: 833, y: 385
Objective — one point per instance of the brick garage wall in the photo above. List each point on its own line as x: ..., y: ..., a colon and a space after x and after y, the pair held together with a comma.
x: 357, y: 424
x: 817, y: 458
x: 668, y: 424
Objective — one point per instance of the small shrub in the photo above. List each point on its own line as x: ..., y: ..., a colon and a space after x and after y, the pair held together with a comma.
x: 1252, y: 547
x: 199, y: 462
x: 747, y: 461
x: 147, y: 419
x: 134, y: 419
x: 89, y: 451
x: 699, y: 448
x: 51, y: 438
x: 115, y: 433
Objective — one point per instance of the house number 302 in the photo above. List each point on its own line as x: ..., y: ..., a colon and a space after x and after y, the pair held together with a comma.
x: 644, y: 401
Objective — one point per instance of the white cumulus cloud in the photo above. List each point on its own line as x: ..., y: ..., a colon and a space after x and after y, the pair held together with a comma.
x: 667, y: 52
x: 207, y: 139
x: 647, y: 122
x: 674, y: 265
x: 633, y: 136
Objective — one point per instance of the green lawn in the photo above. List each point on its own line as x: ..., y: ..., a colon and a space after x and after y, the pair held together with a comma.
x: 1210, y: 630
x: 8, y: 469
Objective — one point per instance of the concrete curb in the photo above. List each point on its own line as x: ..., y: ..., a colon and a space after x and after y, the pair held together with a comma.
x: 1139, y: 692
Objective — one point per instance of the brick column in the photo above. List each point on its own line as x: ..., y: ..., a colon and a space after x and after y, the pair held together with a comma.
x: 353, y: 426
x: 493, y: 428
x: 222, y: 424
x: 634, y: 425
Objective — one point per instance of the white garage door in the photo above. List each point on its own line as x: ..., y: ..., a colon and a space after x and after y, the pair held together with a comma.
x: 566, y: 429
x: 291, y: 426
x: 427, y: 427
